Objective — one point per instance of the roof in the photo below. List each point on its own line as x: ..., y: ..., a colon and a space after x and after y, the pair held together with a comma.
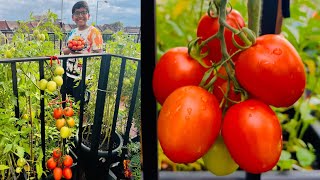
x: 13, y: 25
x: 4, y: 26
x: 133, y: 30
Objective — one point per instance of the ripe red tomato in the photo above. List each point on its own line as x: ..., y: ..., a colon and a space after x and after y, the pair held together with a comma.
x: 253, y: 135
x: 175, y: 69
x: 51, y: 163
x: 67, y: 161
x: 209, y: 26
x: 188, y: 124
x: 67, y: 173
x: 56, y: 153
x: 272, y: 71
x: 57, y: 173
x: 57, y: 113
x: 68, y: 111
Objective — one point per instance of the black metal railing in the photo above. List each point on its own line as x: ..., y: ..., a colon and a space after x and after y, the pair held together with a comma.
x: 106, y: 60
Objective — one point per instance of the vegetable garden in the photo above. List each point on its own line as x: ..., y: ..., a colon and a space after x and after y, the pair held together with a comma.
x: 45, y: 134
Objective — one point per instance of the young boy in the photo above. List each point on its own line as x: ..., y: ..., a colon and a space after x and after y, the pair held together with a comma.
x: 93, y: 39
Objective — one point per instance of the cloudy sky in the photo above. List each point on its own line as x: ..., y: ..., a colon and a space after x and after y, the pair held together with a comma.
x: 125, y: 11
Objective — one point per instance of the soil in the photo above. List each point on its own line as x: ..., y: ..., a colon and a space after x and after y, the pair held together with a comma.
x: 104, y: 147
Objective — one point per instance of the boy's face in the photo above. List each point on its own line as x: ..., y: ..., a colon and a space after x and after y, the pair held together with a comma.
x: 80, y: 17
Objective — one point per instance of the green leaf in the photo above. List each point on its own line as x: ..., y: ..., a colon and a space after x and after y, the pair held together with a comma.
x: 176, y: 28
x: 7, y: 148
x: 3, y: 167
x: 20, y: 151
x: 286, y: 164
x: 305, y: 157
x: 285, y: 155
x: 39, y: 170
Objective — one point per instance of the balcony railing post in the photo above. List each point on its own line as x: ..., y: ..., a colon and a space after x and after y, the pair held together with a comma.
x: 15, y: 88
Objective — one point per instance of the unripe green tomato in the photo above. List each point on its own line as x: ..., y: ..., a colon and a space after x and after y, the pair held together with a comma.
x: 59, y: 71
x: 43, y: 37
x: 21, y: 162
x: 43, y: 84
x: 51, y: 86
x: 218, y: 159
x: 65, y: 132
x: 36, y: 32
x: 18, y: 170
x: 58, y: 80
x: 8, y: 54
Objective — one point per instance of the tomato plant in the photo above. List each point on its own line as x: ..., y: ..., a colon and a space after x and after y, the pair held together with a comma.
x: 175, y: 69
x: 253, y: 135
x: 209, y: 26
x: 188, y: 123
x: 272, y: 71
x: 224, y: 89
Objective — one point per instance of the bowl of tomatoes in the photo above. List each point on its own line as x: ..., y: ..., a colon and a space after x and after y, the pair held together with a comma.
x: 77, y: 44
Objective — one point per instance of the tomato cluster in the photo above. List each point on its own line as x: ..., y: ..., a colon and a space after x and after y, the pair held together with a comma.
x: 76, y: 44
x: 60, y: 165
x: 51, y: 85
x: 64, y: 120
x: 229, y: 123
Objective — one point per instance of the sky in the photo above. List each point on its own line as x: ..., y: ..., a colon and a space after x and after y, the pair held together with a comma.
x: 126, y: 11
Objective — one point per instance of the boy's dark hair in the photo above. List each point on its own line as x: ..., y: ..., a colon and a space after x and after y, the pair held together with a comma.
x: 80, y: 4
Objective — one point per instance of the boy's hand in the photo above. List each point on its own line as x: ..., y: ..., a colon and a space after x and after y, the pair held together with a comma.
x: 66, y: 51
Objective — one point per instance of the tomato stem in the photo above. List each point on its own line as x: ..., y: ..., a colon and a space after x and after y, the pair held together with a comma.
x: 254, y: 15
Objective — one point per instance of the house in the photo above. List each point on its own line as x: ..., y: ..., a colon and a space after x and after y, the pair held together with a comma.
x: 132, y: 30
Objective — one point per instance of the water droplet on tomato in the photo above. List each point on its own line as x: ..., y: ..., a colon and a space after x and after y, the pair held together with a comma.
x: 203, y: 107
x: 189, y: 111
x: 168, y: 113
x: 251, y: 108
x: 291, y: 76
x: 204, y: 99
x: 178, y: 108
x: 277, y: 51
x: 187, y: 118
x: 298, y: 69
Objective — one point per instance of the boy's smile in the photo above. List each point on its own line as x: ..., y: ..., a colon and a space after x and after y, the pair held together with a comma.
x: 80, y: 17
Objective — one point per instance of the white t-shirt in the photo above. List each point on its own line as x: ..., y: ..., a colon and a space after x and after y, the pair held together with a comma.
x: 93, y: 38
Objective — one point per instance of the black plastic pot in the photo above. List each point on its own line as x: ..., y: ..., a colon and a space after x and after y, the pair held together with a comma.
x: 103, y: 162
x: 101, y: 153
